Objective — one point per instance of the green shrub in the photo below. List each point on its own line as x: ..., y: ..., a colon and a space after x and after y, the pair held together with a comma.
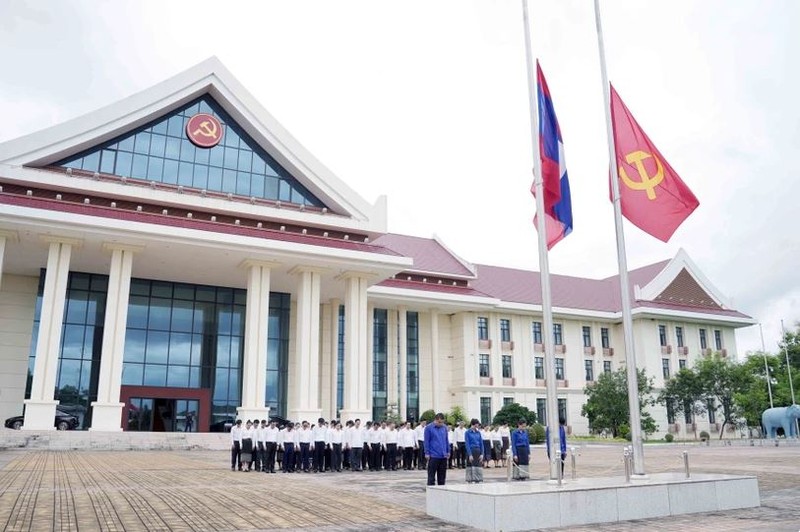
x: 625, y: 431
x: 668, y: 438
x: 535, y: 433
x: 427, y: 415
x: 704, y: 436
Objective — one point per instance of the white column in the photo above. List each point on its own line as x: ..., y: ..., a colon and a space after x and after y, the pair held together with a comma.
x: 435, y: 377
x: 402, y: 350
x: 107, y: 410
x: 334, y: 349
x: 306, y: 381
x: 5, y: 236
x: 254, y: 365
x: 40, y: 409
x: 357, y: 387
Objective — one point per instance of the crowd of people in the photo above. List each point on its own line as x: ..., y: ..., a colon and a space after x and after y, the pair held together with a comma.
x: 372, y: 446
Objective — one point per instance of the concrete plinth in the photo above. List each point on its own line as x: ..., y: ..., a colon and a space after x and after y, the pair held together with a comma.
x: 106, y: 417
x: 39, y: 415
x: 529, y: 505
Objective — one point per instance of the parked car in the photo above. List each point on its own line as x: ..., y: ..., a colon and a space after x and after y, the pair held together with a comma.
x: 225, y: 424
x: 63, y: 421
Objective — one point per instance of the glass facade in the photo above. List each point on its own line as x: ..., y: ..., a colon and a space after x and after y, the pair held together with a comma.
x: 340, y: 360
x: 81, y: 343
x: 412, y: 363
x: 380, y: 358
x: 161, y: 152
x: 178, y: 336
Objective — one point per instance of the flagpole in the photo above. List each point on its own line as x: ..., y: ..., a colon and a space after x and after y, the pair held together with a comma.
x: 766, y: 366
x: 544, y: 265
x: 627, y: 320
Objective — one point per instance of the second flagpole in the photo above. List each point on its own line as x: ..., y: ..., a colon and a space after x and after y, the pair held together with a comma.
x: 627, y: 320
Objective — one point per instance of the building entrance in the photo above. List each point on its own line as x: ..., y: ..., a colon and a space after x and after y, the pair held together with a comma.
x: 157, y: 409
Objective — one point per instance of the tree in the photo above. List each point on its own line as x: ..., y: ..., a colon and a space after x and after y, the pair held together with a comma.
x: 684, y: 392
x: 512, y: 413
x: 722, y: 380
x: 455, y: 415
x: 606, y: 405
x: 755, y: 399
x: 427, y: 415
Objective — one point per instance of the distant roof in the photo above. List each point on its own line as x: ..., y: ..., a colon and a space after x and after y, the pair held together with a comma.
x: 513, y: 285
x: 429, y: 255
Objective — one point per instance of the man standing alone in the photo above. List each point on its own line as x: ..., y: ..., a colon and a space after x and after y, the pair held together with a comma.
x: 437, y: 450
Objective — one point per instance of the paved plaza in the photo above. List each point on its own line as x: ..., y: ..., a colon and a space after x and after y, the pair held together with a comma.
x: 196, y: 490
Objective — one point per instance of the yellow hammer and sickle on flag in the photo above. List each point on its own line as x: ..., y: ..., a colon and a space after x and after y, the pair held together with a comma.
x: 647, y: 183
x: 207, y: 129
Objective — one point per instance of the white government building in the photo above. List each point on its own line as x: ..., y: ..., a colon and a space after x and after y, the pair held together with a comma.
x: 178, y: 252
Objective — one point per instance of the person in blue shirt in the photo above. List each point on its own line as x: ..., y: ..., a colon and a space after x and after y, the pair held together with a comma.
x: 437, y: 450
x: 473, y: 447
x: 520, y: 447
x: 562, y: 439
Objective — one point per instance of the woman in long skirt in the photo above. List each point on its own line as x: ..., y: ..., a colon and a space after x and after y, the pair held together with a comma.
x: 248, y: 435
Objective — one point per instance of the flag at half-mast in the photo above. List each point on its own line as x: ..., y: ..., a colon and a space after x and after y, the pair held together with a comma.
x: 653, y: 197
x: 557, y: 200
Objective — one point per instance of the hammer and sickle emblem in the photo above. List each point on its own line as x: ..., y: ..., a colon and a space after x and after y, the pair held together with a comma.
x: 207, y: 129
x: 647, y: 183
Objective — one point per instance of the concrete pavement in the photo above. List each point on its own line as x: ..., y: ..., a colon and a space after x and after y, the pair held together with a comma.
x: 195, y: 490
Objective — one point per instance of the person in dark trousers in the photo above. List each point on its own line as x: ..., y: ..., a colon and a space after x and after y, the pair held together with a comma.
x: 437, y: 450
x: 236, y: 446
x: 562, y: 440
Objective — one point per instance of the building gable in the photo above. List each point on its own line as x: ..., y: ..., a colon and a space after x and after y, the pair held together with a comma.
x: 161, y: 152
x: 685, y: 290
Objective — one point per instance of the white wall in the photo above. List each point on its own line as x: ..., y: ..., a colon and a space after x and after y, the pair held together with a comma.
x: 17, y: 304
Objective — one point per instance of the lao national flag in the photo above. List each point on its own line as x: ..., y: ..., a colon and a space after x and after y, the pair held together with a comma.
x: 652, y: 196
x: 557, y: 201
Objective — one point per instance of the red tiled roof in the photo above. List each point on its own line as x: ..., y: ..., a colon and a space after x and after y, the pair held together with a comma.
x: 428, y: 254
x: 432, y: 287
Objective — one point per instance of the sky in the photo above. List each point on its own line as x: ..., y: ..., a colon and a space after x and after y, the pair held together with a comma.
x: 426, y: 102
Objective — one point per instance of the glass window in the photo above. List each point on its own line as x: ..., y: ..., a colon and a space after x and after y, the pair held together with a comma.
x: 682, y: 363
x: 483, y: 328
x: 604, y: 340
x: 507, y: 371
x: 508, y: 401
x: 558, y: 337
x: 712, y: 411
x: 538, y: 367
x: 505, y: 330
x: 606, y: 366
x: 703, y: 339
x: 486, y: 410
x: 665, y: 368
x: 484, y: 366
x: 562, y: 410
x: 718, y: 339
x: 662, y: 335
x: 587, y: 336
x: 541, y: 411
x: 687, y: 412
x: 537, y: 332
x: 588, y: 367
x: 559, y: 369
x: 670, y: 413
x: 679, y: 336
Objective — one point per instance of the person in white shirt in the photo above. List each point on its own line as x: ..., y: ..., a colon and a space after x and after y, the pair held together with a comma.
x: 366, y: 461
x: 451, y: 441
x: 356, y: 443
x: 375, y: 442
x: 288, y: 440
x: 497, y: 445
x: 305, y: 438
x: 320, y: 436
x: 248, y: 436
x: 407, y: 441
x: 236, y: 446
x: 260, y: 450
x: 390, y: 446
x: 505, y: 436
x: 336, y: 438
x: 461, y: 448
x: 487, y: 445
x: 419, y: 432
x: 270, y: 446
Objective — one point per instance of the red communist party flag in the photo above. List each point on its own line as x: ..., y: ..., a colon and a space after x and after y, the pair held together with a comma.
x: 653, y: 197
